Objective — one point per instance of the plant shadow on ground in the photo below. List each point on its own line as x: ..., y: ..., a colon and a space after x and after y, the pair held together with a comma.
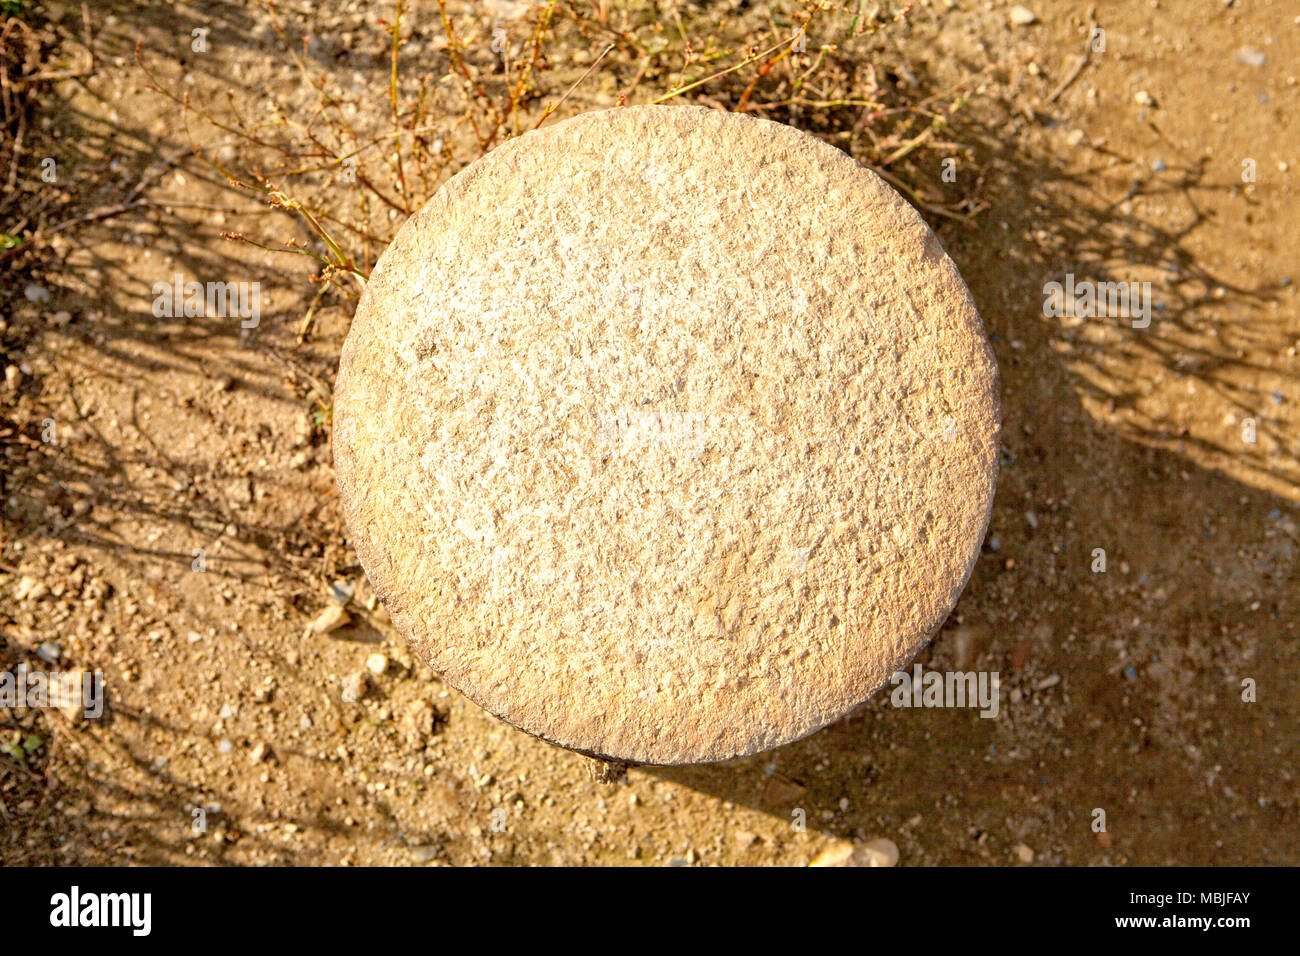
x: 105, y: 161
x: 1151, y: 656
x: 98, y: 494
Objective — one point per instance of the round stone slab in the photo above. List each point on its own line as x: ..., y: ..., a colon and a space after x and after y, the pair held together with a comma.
x: 666, y: 434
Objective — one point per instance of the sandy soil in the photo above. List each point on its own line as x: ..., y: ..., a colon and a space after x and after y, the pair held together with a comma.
x: 1122, y: 690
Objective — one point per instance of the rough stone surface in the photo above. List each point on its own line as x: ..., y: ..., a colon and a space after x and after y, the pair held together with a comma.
x: 878, y: 852
x: 666, y: 434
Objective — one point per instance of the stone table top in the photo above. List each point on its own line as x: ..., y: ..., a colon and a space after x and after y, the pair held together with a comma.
x: 667, y: 434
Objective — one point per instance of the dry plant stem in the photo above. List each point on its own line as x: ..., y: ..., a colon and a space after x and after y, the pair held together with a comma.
x: 857, y: 16
x: 917, y: 200
x: 578, y: 82
x: 302, y: 144
x: 521, y: 87
x: 761, y: 72
x: 1083, y: 61
x: 14, y: 90
x: 89, y: 68
x: 731, y: 69
x: 626, y: 96
x: 17, y: 152
x: 15, y: 765
x: 277, y: 197
x: 371, y: 143
x: 184, y: 102
x: 458, y: 64
x: 311, y: 313
x: 392, y: 96
x: 133, y: 198
x: 913, y: 143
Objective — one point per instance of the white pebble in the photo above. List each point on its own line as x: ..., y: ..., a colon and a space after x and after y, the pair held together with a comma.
x: 330, y: 619
x: 1249, y: 56
x: 1022, y: 16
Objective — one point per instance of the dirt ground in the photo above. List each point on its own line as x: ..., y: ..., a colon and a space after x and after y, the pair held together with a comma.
x: 228, y: 738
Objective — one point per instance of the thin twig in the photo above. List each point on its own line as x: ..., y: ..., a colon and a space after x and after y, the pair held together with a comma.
x: 731, y: 69
x: 1083, y: 62
x: 556, y: 105
x: 311, y: 313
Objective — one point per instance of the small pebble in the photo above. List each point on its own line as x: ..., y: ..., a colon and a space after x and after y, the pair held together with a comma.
x: 1024, y: 854
x: 354, y: 687
x: 424, y: 854
x: 1249, y: 56
x: 969, y: 641
x: 1143, y: 98
x: 377, y: 664
x: 48, y: 652
x: 37, y: 294
x: 1022, y: 16
x: 879, y: 852
x: 330, y: 619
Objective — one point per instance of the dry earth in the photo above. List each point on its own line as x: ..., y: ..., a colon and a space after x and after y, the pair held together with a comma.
x: 1121, y: 690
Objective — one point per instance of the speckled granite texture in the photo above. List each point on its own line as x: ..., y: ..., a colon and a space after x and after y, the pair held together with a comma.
x: 667, y: 434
